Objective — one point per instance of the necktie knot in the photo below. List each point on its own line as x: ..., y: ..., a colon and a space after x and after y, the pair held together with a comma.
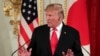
x: 54, y: 29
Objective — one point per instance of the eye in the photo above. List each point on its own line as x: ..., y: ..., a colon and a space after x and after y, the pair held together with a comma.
x: 48, y: 15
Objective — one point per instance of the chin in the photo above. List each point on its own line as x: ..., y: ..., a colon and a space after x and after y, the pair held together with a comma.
x: 49, y: 25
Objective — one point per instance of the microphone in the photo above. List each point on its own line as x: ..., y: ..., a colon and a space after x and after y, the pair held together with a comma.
x: 19, y: 48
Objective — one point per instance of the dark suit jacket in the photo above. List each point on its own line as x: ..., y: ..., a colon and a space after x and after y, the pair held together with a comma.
x: 40, y: 42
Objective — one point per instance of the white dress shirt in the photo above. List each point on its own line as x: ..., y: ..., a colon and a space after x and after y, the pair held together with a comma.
x: 58, y: 32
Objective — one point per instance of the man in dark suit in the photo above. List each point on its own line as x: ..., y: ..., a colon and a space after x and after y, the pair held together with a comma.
x: 68, y: 41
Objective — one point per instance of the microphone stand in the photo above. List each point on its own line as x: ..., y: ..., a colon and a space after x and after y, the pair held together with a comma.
x: 19, y: 48
x: 83, y: 48
x: 86, y: 50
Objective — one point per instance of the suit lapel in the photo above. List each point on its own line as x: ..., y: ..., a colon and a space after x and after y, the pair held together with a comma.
x: 47, y: 41
x: 63, y: 33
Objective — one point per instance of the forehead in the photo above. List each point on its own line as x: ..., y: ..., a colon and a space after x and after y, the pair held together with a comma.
x: 51, y: 12
x: 51, y: 9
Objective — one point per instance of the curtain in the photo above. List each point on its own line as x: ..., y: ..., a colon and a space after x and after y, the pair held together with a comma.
x: 94, y: 26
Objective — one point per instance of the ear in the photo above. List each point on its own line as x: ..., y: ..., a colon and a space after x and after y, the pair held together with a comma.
x: 60, y: 18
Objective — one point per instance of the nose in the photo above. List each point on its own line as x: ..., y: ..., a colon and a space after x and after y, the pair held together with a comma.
x: 47, y: 17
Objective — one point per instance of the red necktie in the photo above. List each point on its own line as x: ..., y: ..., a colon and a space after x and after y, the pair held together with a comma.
x: 54, y: 41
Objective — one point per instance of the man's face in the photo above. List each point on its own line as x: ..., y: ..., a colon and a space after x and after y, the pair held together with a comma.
x: 53, y: 19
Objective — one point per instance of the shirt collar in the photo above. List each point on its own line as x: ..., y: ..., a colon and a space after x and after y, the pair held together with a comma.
x: 58, y: 27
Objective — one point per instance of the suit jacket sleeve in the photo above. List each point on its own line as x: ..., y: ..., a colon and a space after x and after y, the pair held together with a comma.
x: 77, y: 45
x: 32, y: 43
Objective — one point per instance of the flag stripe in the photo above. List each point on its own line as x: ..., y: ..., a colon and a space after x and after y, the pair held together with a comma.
x: 22, y: 41
x: 35, y: 23
x: 26, y: 28
x: 31, y: 26
x: 24, y: 35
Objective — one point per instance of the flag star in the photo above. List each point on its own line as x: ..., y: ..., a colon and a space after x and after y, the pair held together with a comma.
x: 24, y: 4
x: 23, y: 10
x: 33, y: 13
x: 29, y: 12
x: 34, y: 2
x: 34, y: 8
x: 30, y: 6
x: 28, y: 18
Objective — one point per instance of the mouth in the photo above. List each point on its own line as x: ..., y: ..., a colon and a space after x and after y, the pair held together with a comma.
x: 48, y: 22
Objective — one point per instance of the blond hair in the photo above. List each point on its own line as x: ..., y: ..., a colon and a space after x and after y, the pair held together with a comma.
x: 55, y: 7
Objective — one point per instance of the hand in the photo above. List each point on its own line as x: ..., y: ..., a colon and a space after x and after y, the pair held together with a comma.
x: 24, y: 52
x: 69, y: 53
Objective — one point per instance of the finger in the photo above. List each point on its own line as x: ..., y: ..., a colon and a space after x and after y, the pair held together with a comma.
x: 63, y: 53
x: 21, y: 50
x: 30, y: 49
x: 29, y: 52
x: 70, y: 52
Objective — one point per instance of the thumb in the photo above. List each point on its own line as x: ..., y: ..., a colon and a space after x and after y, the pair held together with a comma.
x: 30, y: 49
x: 63, y: 53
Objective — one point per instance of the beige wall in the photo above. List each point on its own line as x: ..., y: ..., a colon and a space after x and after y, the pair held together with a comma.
x: 8, y: 41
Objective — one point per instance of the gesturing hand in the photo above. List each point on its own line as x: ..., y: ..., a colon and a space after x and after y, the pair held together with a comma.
x: 69, y: 53
x: 24, y: 52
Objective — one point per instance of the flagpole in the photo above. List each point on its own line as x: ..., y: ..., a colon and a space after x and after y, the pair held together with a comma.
x: 65, y: 11
x: 40, y: 11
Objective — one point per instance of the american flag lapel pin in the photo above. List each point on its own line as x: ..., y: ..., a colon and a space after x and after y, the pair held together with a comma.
x: 64, y: 32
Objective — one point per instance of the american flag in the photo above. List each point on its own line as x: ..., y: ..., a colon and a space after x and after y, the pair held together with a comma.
x: 29, y: 20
